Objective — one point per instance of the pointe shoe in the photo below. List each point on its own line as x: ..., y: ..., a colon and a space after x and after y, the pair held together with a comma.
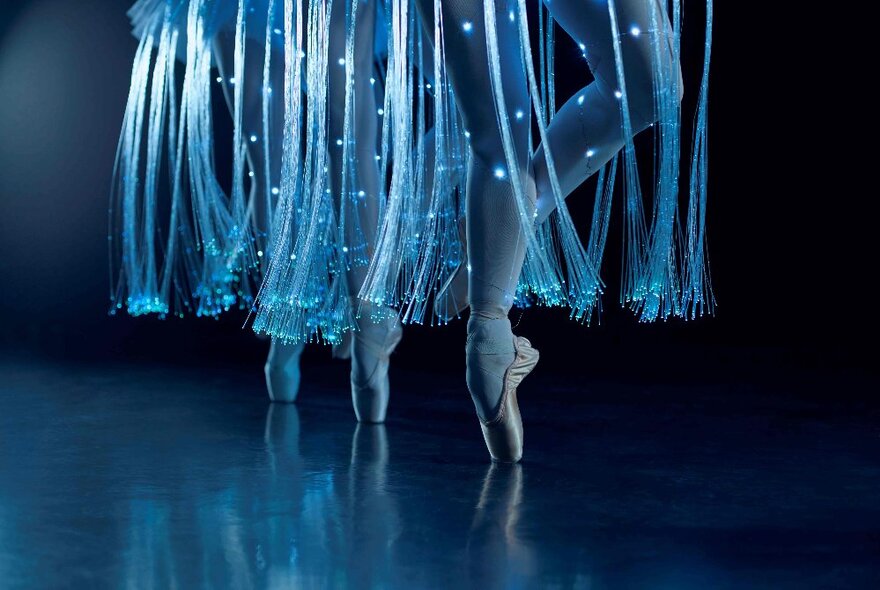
x: 504, y: 433
x: 451, y: 299
x: 371, y: 348
x: 282, y: 371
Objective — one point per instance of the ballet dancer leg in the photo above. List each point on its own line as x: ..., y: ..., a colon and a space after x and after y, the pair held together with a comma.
x: 497, y: 361
x: 588, y: 130
x: 282, y: 368
x: 378, y: 330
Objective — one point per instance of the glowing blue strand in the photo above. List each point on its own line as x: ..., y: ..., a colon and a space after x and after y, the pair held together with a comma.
x: 313, y: 239
x: 239, y: 149
x: 214, y: 222
x: 438, y: 249
x: 348, y: 174
x: 138, y: 216
x: 302, y: 270
x: 697, y: 296
x: 420, y: 242
x: 303, y: 297
x: 583, y: 285
x: 658, y: 287
x: 601, y: 213
x: 634, y: 228
x: 550, y: 41
x: 266, y: 94
x: 422, y: 246
x: 177, y: 232
x: 183, y: 259
x: 384, y: 155
x: 601, y: 220
x: 126, y: 195
x: 155, y: 135
x: 549, y: 283
x: 278, y: 310
x: 379, y: 285
x: 543, y: 55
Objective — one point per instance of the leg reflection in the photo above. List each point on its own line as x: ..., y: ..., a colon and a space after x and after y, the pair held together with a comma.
x: 496, y: 556
x: 373, y: 521
x: 149, y: 557
x: 277, y: 537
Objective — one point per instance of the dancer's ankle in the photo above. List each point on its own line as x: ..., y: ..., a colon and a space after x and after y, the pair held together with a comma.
x: 490, y: 352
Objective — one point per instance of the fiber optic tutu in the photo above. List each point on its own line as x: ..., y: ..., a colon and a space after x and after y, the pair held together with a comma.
x: 412, y: 181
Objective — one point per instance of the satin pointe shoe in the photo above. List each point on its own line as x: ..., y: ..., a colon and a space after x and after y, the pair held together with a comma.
x: 282, y: 371
x: 372, y: 345
x: 504, y: 432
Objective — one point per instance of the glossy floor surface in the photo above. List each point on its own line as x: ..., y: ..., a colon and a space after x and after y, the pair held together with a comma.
x: 153, y: 477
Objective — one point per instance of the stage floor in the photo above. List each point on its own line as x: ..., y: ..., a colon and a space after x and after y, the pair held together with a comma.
x: 138, y: 476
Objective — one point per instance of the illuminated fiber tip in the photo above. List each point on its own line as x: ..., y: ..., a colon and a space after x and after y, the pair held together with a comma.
x: 381, y: 112
x: 635, y: 31
x: 372, y: 80
x: 582, y: 46
x: 275, y: 190
x: 260, y: 253
x: 219, y: 79
x: 428, y: 86
x: 468, y: 26
x: 341, y: 61
x: 467, y: 134
x: 519, y: 115
x: 591, y: 153
x: 362, y: 194
x: 232, y: 80
x: 581, y: 99
x: 251, y: 174
x: 618, y: 94
x: 510, y: 16
x: 345, y: 248
x: 500, y: 173
x: 276, y: 31
x: 338, y: 142
x: 253, y: 138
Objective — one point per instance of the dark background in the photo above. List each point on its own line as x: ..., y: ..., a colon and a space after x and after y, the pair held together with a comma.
x: 791, y: 234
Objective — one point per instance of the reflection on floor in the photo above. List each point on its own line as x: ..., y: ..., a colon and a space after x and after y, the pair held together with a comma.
x: 151, y: 477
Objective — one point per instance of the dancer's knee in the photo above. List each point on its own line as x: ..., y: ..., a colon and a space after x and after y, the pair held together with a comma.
x: 487, y: 149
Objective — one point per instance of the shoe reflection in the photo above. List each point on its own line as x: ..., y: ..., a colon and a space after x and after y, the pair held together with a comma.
x: 281, y: 436
x: 373, y: 523
x: 496, y: 556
